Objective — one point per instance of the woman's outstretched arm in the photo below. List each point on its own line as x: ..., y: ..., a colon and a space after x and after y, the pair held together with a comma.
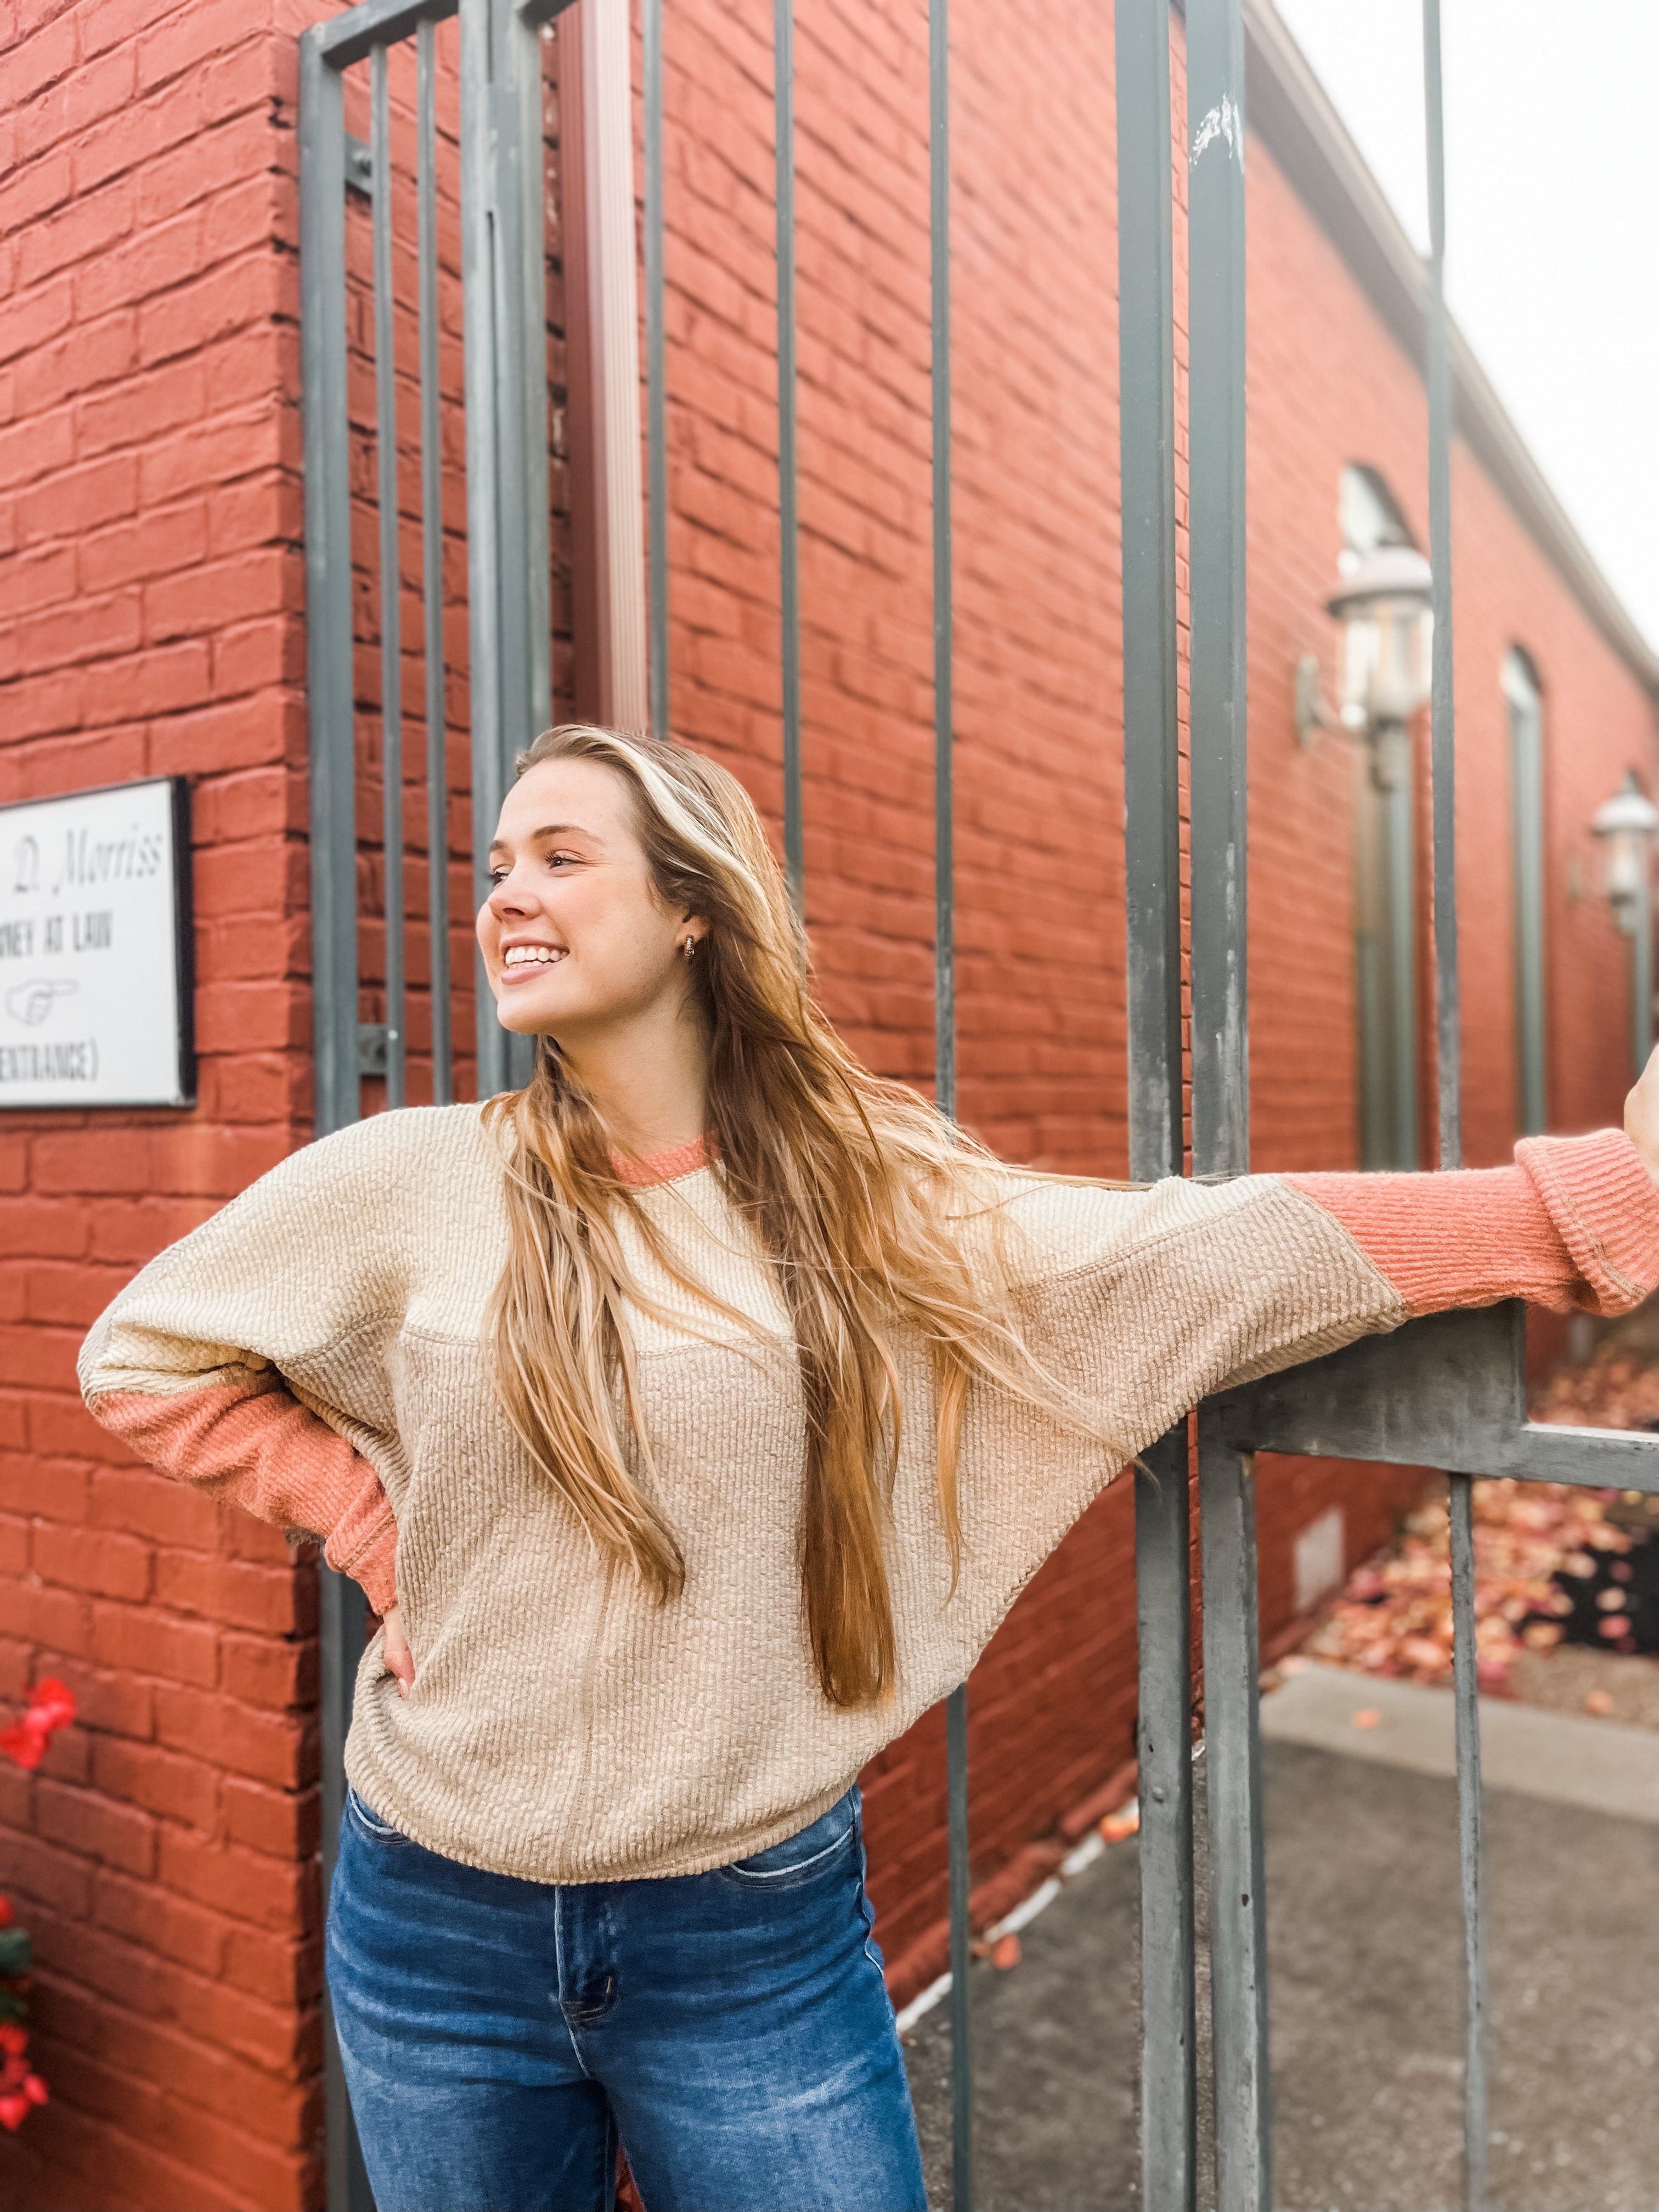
x: 1572, y: 1226
x: 1142, y: 1302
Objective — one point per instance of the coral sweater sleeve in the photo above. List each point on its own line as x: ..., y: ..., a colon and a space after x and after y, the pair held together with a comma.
x: 218, y: 1363
x: 1573, y: 1224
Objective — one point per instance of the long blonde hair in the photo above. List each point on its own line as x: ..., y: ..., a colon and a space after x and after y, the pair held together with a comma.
x: 855, y: 1187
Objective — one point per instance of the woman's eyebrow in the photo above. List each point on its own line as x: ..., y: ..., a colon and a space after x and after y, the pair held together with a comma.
x: 553, y: 829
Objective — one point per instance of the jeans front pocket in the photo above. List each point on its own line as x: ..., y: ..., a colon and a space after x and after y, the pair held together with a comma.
x: 369, y: 1821
x: 812, y: 1852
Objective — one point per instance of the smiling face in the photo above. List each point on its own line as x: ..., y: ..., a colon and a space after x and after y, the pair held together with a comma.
x: 575, y: 936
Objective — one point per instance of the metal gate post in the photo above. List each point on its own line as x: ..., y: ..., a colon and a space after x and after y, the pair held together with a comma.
x: 332, y: 769
x: 783, y: 110
x: 1152, y: 807
x: 1449, y: 1041
x: 505, y: 309
x: 1238, y: 1925
x: 332, y: 763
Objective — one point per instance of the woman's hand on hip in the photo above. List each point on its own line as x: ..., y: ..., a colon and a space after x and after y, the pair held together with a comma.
x: 400, y: 1659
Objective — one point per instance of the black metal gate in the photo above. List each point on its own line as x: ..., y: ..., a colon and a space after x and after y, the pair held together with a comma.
x: 1444, y: 1393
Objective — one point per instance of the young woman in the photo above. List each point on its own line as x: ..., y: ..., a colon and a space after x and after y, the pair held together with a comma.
x: 692, y: 1418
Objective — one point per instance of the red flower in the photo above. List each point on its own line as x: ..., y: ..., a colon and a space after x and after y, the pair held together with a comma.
x: 51, y: 1707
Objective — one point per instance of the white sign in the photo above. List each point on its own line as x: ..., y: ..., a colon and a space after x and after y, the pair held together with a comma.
x: 95, y: 949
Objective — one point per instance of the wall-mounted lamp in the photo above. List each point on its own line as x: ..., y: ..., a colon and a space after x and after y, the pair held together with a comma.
x: 1627, y: 824
x: 1384, y: 606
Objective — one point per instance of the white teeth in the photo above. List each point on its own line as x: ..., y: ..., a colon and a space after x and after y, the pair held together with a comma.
x: 522, y: 956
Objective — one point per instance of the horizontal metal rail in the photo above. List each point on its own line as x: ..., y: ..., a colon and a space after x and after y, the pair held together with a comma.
x: 353, y: 36
x: 1443, y: 1392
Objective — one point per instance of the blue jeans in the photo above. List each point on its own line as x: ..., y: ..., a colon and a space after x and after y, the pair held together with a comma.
x: 732, y: 2028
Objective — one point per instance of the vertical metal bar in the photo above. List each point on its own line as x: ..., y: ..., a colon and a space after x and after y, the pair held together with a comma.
x: 1238, y: 1930
x: 505, y: 457
x: 944, y: 1000
x: 944, y: 1009
x: 962, y: 2052
x: 1232, y: 1737
x: 789, y: 523
x: 1151, y: 796
x: 1447, y: 1032
x: 519, y: 299
x: 511, y: 447
x: 333, y: 880
x: 342, y: 1628
x: 1641, y: 970
x: 656, y: 390
x: 1153, y: 881
x: 1467, y: 1688
x: 1168, y: 2111
x: 522, y: 61
x: 484, y: 536
x: 1526, y: 848
x: 392, y: 653
x: 521, y: 291
x: 1215, y: 107
x: 328, y: 589
x: 1461, y: 1502
x: 432, y: 566
x: 1399, y: 812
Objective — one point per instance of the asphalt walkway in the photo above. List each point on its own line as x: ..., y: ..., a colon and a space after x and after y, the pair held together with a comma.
x: 1365, y: 1936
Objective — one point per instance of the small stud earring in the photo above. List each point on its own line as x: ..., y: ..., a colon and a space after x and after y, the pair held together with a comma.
x: 690, y: 948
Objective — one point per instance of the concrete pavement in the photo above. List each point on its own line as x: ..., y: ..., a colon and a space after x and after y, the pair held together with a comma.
x: 1365, y: 1938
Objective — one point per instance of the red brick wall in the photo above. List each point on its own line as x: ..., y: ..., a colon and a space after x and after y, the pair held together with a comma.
x: 150, y: 622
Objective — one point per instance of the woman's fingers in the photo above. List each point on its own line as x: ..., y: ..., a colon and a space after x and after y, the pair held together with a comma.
x: 1642, y: 1115
x: 400, y: 1659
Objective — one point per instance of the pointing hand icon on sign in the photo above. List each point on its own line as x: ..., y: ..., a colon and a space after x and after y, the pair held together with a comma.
x: 33, y: 1001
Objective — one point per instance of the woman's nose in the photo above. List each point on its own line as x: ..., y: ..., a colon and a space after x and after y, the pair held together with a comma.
x: 509, y: 896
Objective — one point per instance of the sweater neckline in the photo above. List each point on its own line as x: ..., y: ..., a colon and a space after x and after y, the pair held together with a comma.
x: 662, y: 1167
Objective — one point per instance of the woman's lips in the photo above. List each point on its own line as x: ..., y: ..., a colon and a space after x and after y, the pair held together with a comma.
x: 522, y: 970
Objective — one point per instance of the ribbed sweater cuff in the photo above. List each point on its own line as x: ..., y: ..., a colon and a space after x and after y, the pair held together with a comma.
x: 370, y: 1559
x: 1604, y: 1208
x: 1575, y: 1223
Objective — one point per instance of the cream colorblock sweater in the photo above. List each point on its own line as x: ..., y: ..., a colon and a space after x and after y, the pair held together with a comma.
x: 314, y: 1351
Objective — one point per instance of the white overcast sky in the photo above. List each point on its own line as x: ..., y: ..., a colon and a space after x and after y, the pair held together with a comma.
x: 1551, y: 226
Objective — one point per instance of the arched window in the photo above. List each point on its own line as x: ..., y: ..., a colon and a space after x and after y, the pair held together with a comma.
x: 1385, y: 877
x: 1520, y: 691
